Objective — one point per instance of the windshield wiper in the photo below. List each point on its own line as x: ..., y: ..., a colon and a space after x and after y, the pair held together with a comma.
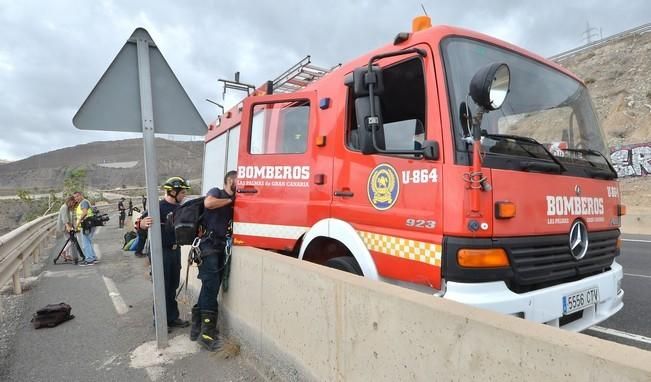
x: 597, y: 154
x: 518, y: 139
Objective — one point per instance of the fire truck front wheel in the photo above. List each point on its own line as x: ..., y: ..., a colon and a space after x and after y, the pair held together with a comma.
x: 346, y: 264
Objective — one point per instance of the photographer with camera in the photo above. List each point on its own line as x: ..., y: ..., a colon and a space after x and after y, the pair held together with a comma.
x: 64, y: 227
x: 84, y: 212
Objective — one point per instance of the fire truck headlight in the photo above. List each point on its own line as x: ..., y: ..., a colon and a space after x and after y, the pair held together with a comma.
x: 483, y: 258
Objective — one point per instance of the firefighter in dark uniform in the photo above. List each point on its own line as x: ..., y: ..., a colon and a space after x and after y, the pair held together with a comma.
x: 175, y: 190
x: 217, y: 220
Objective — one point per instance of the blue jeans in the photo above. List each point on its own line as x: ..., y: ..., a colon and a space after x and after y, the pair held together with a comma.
x: 210, y: 274
x: 87, y: 244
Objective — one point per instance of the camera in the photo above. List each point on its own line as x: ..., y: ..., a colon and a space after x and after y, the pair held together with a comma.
x: 94, y: 221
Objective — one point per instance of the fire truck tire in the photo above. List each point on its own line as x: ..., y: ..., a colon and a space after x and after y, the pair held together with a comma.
x: 346, y: 264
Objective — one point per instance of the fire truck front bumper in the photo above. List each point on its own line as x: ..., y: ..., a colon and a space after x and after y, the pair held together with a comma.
x: 573, y: 306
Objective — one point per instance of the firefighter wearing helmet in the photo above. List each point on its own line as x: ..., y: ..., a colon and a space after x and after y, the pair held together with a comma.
x: 175, y: 191
x: 175, y: 184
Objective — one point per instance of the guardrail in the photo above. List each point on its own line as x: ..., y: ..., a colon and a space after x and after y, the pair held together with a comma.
x: 638, y: 30
x: 22, y: 247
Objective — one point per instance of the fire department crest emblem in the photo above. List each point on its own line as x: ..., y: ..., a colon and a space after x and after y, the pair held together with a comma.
x: 383, y: 187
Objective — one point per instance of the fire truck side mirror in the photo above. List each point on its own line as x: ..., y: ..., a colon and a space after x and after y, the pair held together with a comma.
x: 366, y: 123
x: 431, y: 150
x: 490, y: 86
x: 362, y: 79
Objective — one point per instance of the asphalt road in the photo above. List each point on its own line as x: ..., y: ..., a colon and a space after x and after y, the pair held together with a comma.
x: 111, y: 337
x: 632, y: 325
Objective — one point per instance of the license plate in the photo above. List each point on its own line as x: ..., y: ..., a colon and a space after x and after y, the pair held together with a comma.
x: 580, y: 300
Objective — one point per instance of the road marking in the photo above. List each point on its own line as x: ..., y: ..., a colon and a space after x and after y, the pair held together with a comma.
x: 618, y: 333
x: 637, y: 240
x: 114, y: 294
x: 634, y: 275
x: 98, y: 253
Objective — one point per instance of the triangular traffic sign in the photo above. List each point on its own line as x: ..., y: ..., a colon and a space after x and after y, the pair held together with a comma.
x: 114, y: 103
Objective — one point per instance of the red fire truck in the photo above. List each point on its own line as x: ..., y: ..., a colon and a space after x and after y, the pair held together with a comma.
x: 447, y: 161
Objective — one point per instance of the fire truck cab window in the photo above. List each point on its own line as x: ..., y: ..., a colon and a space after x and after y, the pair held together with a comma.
x: 402, y: 108
x: 280, y: 128
x: 543, y: 103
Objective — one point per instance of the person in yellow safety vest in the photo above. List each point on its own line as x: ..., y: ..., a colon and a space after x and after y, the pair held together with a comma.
x: 84, y: 211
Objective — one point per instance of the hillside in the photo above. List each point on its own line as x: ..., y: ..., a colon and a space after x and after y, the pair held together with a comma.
x: 618, y: 75
x: 108, y: 165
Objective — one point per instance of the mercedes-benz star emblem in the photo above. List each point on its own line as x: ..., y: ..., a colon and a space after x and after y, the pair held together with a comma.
x: 578, y: 240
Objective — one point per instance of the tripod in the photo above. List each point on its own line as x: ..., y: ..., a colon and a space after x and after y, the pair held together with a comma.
x: 73, y: 239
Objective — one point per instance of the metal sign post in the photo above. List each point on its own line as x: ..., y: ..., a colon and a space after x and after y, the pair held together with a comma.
x: 137, y: 89
x: 151, y: 175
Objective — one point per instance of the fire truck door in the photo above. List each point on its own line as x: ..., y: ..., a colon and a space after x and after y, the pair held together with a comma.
x: 278, y: 196
x: 394, y: 200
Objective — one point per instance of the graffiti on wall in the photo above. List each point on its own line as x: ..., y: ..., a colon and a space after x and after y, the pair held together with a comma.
x: 632, y: 160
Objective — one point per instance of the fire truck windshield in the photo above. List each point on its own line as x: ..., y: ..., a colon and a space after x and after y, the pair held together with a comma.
x: 543, y: 103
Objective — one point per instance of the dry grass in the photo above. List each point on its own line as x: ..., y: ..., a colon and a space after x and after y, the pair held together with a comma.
x: 230, y: 349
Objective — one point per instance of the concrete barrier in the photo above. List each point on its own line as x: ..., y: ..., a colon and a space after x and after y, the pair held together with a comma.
x: 298, y: 321
x: 636, y: 223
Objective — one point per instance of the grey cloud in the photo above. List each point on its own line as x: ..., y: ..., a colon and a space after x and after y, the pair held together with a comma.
x: 60, y: 49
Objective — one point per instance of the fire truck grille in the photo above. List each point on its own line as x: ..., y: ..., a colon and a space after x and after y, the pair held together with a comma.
x: 546, y: 261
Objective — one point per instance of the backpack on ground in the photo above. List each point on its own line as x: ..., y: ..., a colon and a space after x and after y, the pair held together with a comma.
x: 133, y: 244
x: 52, y: 315
x: 131, y: 235
x: 127, y: 246
x: 186, y: 221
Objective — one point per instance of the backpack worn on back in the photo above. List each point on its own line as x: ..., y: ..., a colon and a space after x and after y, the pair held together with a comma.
x: 187, y: 221
x: 52, y: 315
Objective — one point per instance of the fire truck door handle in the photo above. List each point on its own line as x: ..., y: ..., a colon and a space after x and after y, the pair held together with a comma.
x: 344, y: 193
x: 247, y: 191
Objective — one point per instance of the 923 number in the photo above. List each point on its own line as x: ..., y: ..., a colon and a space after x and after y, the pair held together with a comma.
x: 420, y: 223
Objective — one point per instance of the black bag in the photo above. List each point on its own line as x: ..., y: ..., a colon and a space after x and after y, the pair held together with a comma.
x: 187, y: 221
x: 52, y: 315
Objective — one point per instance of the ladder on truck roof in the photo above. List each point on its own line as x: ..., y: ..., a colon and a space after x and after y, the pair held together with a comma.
x: 299, y: 76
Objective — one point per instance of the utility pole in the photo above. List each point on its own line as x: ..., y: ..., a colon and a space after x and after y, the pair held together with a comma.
x: 591, y: 32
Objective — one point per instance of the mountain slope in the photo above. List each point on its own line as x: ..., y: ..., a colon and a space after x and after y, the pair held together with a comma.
x: 618, y: 75
x: 108, y: 165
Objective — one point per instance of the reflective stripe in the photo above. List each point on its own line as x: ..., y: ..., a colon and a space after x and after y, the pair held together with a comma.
x: 428, y: 253
x: 269, y: 230
x: 424, y: 252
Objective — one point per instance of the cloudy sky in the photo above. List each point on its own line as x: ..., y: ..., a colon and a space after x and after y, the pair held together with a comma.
x: 52, y: 53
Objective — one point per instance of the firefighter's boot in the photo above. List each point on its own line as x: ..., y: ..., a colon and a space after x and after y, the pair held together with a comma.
x: 196, y: 323
x: 209, y: 336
